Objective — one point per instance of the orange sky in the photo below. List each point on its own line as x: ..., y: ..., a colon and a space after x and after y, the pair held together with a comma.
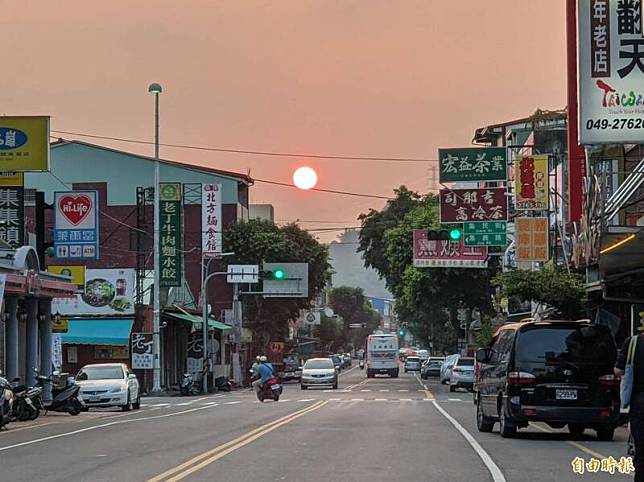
x: 378, y: 78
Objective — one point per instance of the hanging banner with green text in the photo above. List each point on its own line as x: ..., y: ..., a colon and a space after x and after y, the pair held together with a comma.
x: 473, y: 164
x: 170, y: 238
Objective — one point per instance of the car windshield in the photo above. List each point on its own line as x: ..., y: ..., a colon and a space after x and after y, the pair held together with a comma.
x: 584, y: 344
x: 435, y: 363
x: 318, y: 364
x: 413, y: 359
x: 100, y: 373
x: 467, y: 362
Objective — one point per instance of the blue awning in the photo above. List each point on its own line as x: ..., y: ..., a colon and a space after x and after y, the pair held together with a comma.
x: 105, y: 331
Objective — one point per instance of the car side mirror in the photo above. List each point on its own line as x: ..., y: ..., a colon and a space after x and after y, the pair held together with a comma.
x: 483, y: 355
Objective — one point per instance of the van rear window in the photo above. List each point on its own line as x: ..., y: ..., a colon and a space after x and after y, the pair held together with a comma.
x: 584, y: 344
x: 465, y: 362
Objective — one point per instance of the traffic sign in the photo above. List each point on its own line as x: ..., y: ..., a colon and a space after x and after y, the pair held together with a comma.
x: 312, y: 318
x: 286, y: 280
x: 243, y: 273
x: 485, y: 233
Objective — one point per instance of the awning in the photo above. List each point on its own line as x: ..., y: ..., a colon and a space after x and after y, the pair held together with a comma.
x: 197, y: 320
x: 104, y: 331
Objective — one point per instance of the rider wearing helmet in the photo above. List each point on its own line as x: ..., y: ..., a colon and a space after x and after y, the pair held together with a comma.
x: 265, y: 372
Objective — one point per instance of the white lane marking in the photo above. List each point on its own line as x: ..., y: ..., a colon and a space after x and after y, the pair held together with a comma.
x: 103, y: 425
x: 385, y: 390
x: 208, y: 404
x: 334, y: 399
x: 380, y: 399
x: 357, y: 399
x: 367, y: 390
x: 327, y: 391
x: 184, y: 404
x: 306, y: 400
x: 345, y: 391
x: 454, y: 400
x: 286, y: 400
x: 405, y: 399
x: 494, y: 470
x: 160, y: 405
x: 235, y: 403
x: 403, y: 390
x: 428, y: 399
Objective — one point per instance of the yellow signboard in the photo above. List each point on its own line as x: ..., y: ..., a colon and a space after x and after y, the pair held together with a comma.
x: 77, y: 273
x: 531, y: 239
x: 59, y: 325
x: 24, y: 143
x: 532, y: 182
x: 12, y: 179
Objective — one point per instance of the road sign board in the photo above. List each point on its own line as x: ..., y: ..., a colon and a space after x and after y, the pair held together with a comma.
x: 485, y: 234
x: 243, y: 273
x: 312, y: 318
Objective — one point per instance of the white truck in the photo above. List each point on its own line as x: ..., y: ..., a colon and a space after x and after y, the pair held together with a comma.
x: 382, y: 355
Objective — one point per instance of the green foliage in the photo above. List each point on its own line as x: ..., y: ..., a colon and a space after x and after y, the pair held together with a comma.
x: 484, y: 335
x: 257, y: 241
x: 563, y: 291
x: 351, y: 305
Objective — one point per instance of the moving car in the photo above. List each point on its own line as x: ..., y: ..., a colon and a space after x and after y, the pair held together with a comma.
x: 381, y: 355
x: 462, y: 374
x: 337, y: 362
x: 109, y: 385
x: 347, y: 360
x: 446, y: 368
x: 557, y: 372
x: 318, y: 372
x: 423, y: 355
x: 412, y: 364
x: 431, y: 368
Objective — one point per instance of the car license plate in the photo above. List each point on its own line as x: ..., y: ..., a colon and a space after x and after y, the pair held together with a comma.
x: 566, y: 394
x: 94, y: 398
x: 275, y: 387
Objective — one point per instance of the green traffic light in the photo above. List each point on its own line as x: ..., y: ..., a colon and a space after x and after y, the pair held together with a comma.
x: 455, y: 234
x: 401, y: 333
x: 279, y: 274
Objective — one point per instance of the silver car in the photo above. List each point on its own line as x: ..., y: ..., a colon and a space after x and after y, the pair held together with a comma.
x: 446, y: 369
x: 318, y: 372
x: 462, y: 375
x: 412, y: 364
x: 109, y: 385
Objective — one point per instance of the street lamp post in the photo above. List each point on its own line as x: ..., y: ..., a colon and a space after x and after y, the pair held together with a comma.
x: 156, y: 311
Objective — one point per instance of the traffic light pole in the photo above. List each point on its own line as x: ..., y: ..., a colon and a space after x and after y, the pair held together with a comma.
x: 204, y: 314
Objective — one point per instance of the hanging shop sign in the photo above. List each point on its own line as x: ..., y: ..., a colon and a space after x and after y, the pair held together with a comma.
x: 473, y: 164
x: 76, y: 225
x: 142, y: 357
x: 611, y: 71
x: 462, y: 205
x: 485, y: 234
x: 532, y: 187
x: 24, y: 143
x: 446, y: 254
x: 12, y: 208
x: 531, y: 239
x: 76, y: 273
x: 170, y: 238
x: 211, y: 220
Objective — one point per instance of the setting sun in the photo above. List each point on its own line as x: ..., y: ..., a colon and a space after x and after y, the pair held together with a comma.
x: 305, y: 178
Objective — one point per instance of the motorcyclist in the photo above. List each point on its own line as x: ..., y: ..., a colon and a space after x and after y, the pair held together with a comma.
x: 265, y: 372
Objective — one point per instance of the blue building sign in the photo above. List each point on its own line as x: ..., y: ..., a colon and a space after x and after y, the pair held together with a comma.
x: 76, y: 225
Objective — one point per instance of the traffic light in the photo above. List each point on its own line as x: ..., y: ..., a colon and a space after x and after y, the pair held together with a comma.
x: 401, y: 333
x: 277, y: 274
x: 451, y: 234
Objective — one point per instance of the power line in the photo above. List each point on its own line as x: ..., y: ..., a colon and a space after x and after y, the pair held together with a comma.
x: 252, y: 151
x: 330, y: 191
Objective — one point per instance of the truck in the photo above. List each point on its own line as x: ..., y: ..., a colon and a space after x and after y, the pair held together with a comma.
x: 382, y: 355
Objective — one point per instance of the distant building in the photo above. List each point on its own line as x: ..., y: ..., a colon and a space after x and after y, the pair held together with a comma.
x: 265, y: 212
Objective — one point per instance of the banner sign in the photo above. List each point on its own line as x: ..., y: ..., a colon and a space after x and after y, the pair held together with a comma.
x: 211, y: 221
x: 76, y: 224
x: 106, y: 292
x: 76, y: 273
x: 24, y: 143
x: 532, y: 187
x: 531, y: 239
x: 142, y: 357
x: 461, y: 205
x: 194, y: 353
x: 611, y: 71
x: 446, y: 254
x: 473, y: 164
x: 170, y: 239
x: 12, y: 208
x: 485, y: 234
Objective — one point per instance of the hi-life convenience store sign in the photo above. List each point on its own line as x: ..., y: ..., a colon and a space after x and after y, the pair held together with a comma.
x: 611, y: 71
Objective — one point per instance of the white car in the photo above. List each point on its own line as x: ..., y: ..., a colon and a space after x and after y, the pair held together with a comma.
x: 109, y: 385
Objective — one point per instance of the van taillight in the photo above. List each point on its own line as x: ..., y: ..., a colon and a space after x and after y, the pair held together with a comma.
x: 521, y: 378
x: 609, y: 381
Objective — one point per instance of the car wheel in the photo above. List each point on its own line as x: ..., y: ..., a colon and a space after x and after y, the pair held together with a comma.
x: 452, y: 388
x: 303, y: 387
x: 576, y: 429
x: 605, y: 434
x: 483, y: 423
x: 506, y: 428
x: 136, y: 405
x: 128, y: 404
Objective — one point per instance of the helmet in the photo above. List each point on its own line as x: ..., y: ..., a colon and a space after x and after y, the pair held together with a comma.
x: 263, y: 358
x: 258, y: 358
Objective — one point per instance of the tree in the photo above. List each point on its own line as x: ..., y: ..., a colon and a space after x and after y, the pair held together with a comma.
x: 352, y: 306
x: 485, y: 334
x: 257, y: 241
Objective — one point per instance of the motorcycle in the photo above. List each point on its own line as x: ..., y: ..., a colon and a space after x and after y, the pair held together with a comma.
x: 6, y: 401
x: 27, y: 402
x: 223, y: 384
x: 271, y: 389
x: 361, y: 364
x: 65, y: 399
x: 186, y: 387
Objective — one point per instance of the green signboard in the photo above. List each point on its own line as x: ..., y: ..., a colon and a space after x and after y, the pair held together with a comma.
x: 485, y: 234
x: 473, y: 164
x: 170, y: 239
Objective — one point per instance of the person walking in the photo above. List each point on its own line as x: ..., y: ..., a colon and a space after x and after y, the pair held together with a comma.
x: 636, y: 412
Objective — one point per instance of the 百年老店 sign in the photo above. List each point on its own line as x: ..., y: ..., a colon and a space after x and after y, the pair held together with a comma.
x: 473, y: 164
x: 461, y: 205
x: 211, y: 220
x: 170, y: 238
x: 532, y: 190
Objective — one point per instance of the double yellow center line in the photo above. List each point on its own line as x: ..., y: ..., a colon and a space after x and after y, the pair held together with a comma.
x: 191, y: 466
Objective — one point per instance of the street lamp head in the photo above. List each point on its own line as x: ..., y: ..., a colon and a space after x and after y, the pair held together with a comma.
x: 155, y: 88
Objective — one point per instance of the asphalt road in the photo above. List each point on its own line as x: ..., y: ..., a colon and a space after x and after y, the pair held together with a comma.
x: 376, y: 429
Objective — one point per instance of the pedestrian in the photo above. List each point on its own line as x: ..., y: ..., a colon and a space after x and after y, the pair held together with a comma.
x: 636, y: 413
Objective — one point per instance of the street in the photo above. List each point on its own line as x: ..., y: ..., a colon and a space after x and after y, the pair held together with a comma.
x: 368, y: 429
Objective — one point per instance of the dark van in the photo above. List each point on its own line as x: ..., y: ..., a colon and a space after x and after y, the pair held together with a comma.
x: 557, y: 372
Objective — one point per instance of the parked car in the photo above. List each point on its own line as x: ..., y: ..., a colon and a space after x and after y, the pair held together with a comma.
x: 446, y: 368
x: 462, y: 374
x: 317, y: 372
x: 431, y: 368
x: 423, y: 355
x: 557, y: 372
x: 412, y: 364
x: 337, y: 362
x: 109, y: 385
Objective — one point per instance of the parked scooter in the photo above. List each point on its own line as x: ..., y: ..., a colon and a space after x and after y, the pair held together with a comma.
x: 6, y: 401
x: 223, y: 384
x: 271, y: 389
x: 65, y: 399
x: 361, y: 364
x: 27, y: 402
x: 187, y: 385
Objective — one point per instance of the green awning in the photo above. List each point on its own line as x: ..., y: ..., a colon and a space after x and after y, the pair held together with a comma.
x: 105, y: 331
x: 197, y: 320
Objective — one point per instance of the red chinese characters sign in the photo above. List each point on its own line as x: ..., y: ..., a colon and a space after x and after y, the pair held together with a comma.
x: 461, y: 205
x: 211, y: 221
x: 446, y: 254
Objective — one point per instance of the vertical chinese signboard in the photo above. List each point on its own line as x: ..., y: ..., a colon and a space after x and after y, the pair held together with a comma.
x: 532, y: 187
x: 446, y: 254
x: 473, y: 164
x: 211, y: 220
x: 12, y: 208
x: 611, y: 71
x: 170, y: 238
x: 76, y: 224
x: 531, y: 239
x: 142, y: 357
x: 461, y: 205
